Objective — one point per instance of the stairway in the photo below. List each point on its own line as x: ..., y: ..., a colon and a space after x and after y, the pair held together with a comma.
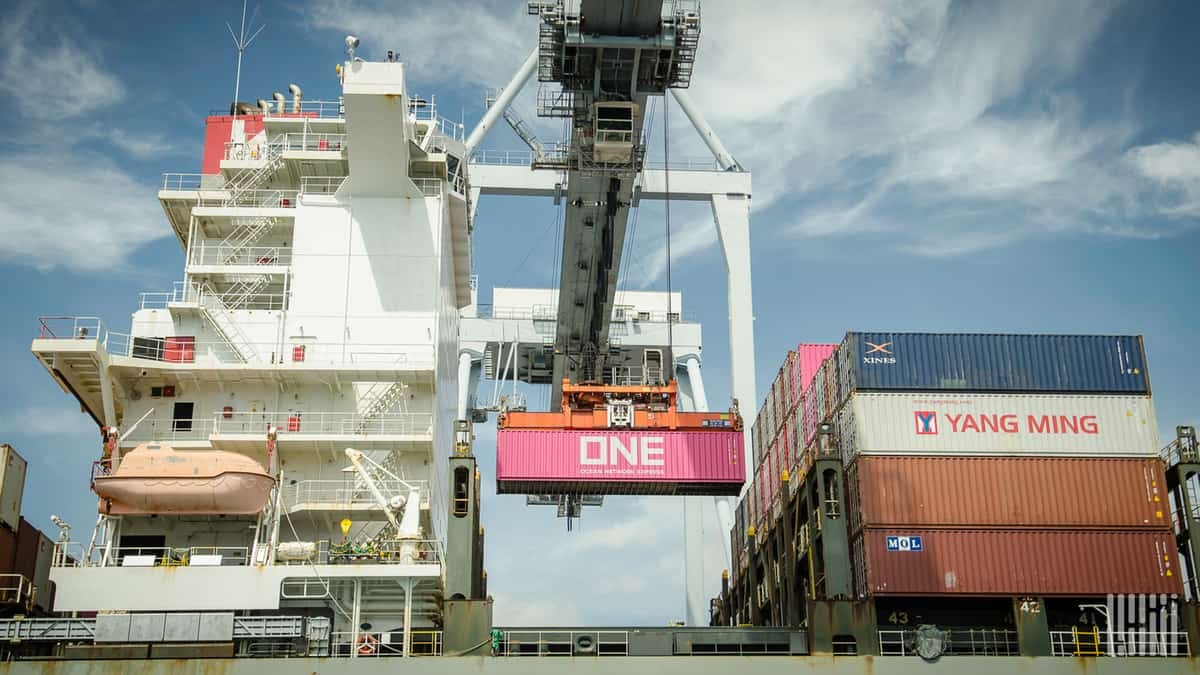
x: 518, y: 124
x: 252, y: 179
x: 247, y: 233
x: 379, y: 399
x: 218, y: 314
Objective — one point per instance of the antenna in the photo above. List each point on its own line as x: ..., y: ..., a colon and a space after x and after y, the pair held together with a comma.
x: 241, y: 42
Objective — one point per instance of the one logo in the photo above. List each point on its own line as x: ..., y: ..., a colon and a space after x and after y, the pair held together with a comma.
x: 926, y: 422
x: 883, y: 350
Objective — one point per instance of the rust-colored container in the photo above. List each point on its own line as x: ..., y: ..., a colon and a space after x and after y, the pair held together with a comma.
x: 1075, y: 563
x: 1007, y: 492
x: 8, y: 550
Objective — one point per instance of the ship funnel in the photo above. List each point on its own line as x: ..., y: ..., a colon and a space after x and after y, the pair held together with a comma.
x: 280, y: 101
x: 297, y: 96
x: 263, y: 106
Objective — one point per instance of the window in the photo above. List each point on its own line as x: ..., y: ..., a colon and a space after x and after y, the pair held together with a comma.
x: 182, y: 416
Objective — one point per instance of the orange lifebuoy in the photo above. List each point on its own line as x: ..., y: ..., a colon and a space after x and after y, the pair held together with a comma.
x: 367, y: 644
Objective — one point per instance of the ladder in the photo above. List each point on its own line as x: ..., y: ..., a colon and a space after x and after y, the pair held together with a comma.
x: 1087, y: 642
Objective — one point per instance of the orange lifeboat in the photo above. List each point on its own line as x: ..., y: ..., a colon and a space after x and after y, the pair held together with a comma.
x: 155, y: 479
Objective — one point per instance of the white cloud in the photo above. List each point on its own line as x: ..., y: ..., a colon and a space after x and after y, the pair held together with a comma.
x: 453, y: 42
x: 49, y: 76
x: 142, y: 145
x: 531, y: 610
x: 1173, y: 168
x: 73, y: 210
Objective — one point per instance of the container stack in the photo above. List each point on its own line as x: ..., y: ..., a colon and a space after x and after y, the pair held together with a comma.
x: 982, y: 464
x: 25, y: 552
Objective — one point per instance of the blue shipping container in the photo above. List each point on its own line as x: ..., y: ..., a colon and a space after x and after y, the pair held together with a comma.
x: 988, y: 362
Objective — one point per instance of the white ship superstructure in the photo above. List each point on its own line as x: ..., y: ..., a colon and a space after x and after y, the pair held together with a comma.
x: 327, y: 253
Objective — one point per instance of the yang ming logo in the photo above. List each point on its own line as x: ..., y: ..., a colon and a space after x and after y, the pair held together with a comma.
x: 883, y: 349
x: 926, y: 422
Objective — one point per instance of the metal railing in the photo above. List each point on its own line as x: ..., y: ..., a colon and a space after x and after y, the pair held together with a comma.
x: 219, y: 352
x: 181, y: 181
x: 312, y: 142
x: 320, y: 494
x: 313, y: 109
x: 1131, y: 643
x: 430, y: 187
x: 527, y: 157
x: 564, y: 643
x: 15, y: 589
x: 254, y: 199
x: 195, y: 429
x: 194, y: 294
x: 960, y: 642
x: 216, y: 253
x: 321, y: 185
x: 550, y: 313
x: 324, y: 423
x: 70, y: 328
x: 386, y: 643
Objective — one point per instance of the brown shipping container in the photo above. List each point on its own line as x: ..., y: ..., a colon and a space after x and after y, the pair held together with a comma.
x: 28, y: 543
x: 1018, y: 562
x: 8, y: 550
x: 1010, y: 492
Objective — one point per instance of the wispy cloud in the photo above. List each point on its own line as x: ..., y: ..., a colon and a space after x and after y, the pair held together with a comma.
x: 60, y: 204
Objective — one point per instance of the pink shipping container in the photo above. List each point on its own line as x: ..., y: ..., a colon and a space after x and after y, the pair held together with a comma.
x: 1075, y: 563
x: 619, y: 462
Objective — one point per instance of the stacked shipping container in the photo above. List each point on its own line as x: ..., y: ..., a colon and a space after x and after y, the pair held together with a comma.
x: 979, y: 464
x: 24, y: 550
x: 1000, y: 465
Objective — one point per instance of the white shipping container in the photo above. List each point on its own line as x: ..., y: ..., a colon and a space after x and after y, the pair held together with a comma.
x: 12, y: 486
x: 998, y: 424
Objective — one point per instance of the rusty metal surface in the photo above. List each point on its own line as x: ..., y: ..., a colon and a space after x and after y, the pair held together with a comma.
x: 1007, y: 492
x: 1017, y: 562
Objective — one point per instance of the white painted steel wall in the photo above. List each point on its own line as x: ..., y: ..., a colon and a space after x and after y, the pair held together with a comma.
x: 524, y: 298
x: 996, y: 424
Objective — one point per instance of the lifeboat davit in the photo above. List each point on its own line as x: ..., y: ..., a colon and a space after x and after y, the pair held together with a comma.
x: 155, y: 479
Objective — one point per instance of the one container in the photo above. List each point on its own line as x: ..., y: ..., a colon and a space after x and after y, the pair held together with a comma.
x: 619, y: 462
x: 997, y: 424
x: 12, y: 486
x: 1007, y: 492
x: 1075, y: 563
x: 994, y: 362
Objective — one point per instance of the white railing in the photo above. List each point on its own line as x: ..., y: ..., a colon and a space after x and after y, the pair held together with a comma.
x: 195, y: 429
x: 313, y: 109
x: 181, y: 181
x: 527, y: 157
x: 217, y: 352
x: 195, y: 294
x: 1130, y: 643
x: 550, y: 313
x: 430, y: 187
x: 563, y: 642
x: 70, y: 328
x: 15, y: 589
x: 321, y: 185
x: 256, y: 198
x: 333, y: 494
x: 324, y: 423
x: 311, y: 142
x: 216, y: 253
x: 960, y: 642
x: 369, y: 644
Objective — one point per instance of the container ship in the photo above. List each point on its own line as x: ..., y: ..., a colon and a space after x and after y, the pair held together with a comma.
x: 285, y: 476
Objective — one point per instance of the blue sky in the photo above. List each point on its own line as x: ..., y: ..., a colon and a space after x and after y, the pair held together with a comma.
x: 917, y: 166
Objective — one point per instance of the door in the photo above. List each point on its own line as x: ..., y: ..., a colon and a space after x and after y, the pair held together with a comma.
x: 182, y: 417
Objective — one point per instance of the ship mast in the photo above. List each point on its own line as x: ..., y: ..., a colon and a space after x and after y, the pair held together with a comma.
x: 241, y: 42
